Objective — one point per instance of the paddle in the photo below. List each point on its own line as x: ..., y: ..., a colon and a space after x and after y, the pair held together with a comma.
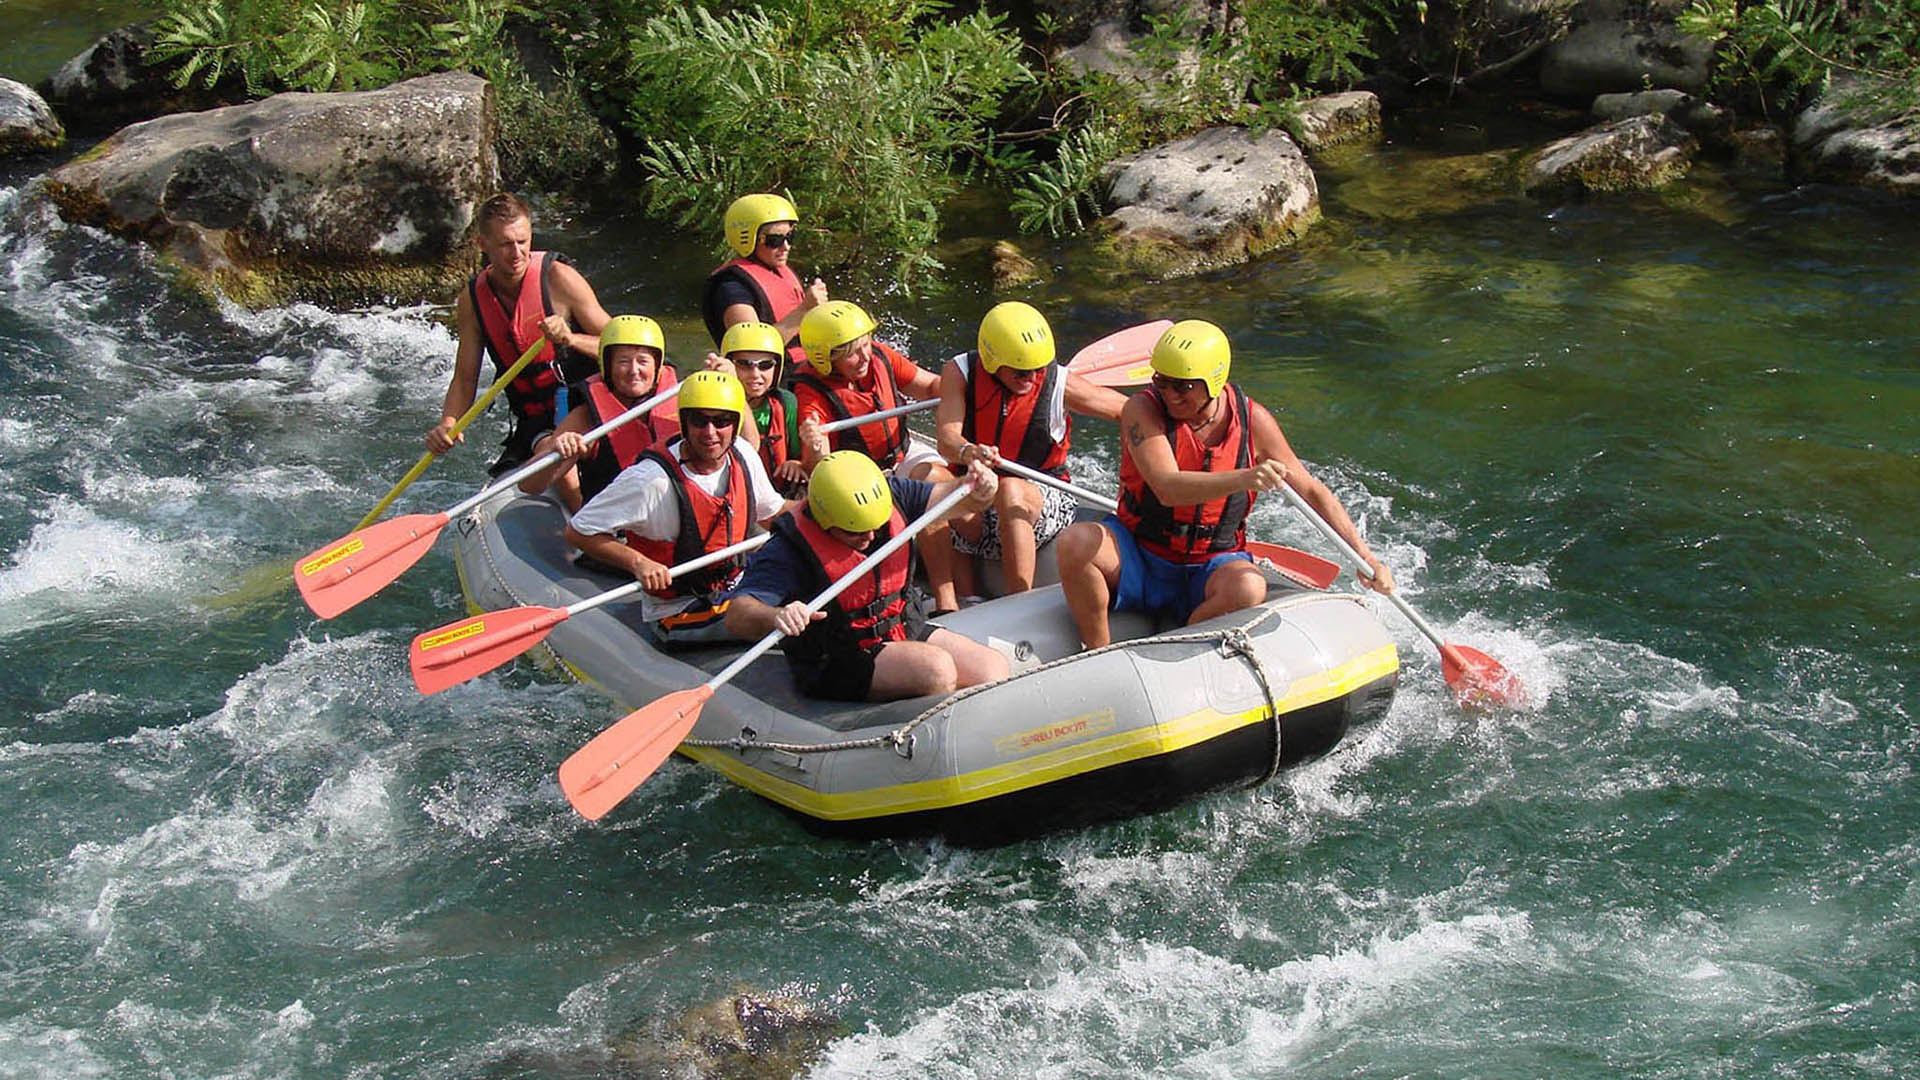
x: 1309, y: 570
x: 479, y: 406
x: 334, y: 578
x: 620, y: 759
x: 883, y: 414
x: 1476, y: 678
x: 462, y: 649
x: 1120, y: 358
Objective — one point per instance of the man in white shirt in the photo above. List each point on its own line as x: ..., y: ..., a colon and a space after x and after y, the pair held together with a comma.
x: 702, y: 492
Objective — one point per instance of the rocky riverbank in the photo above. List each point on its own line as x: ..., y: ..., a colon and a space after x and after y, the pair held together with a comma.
x: 351, y: 196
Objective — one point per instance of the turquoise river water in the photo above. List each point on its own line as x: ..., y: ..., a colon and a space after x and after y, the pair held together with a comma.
x: 1656, y: 455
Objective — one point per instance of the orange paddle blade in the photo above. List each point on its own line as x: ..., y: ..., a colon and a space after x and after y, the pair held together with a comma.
x: 334, y: 578
x: 1309, y: 570
x: 1120, y: 358
x: 619, y: 759
x: 460, y: 650
x: 1478, y: 680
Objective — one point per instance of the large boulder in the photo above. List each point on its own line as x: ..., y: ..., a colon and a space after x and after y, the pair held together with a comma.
x: 1620, y: 55
x: 1639, y: 153
x: 26, y: 124
x: 1212, y: 199
x: 115, y: 81
x: 1832, y: 142
x: 1697, y: 115
x: 337, y: 197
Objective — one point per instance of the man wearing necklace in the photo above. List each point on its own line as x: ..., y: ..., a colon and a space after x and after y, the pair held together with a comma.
x: 1194, y: 453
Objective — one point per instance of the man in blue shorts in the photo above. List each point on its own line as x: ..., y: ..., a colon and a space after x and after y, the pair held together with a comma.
x: 1194, y: 451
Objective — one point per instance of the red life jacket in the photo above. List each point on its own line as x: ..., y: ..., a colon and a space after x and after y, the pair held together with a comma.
x: 873, y: 609
x: 776, y: 294
x: 707, y: 524
x: 882, y: 440
x: 1191, y: 534
x: 1017, y: 426
x: 530, y: 394
x: 623, y: 445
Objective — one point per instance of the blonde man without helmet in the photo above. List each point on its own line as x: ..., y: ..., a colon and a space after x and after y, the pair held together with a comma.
x: 520, y: 296
x: 697, y: 494
x: 1008, y: 399
x: 758, y: 284
x: 1194, y: 451
x: 869, y: 644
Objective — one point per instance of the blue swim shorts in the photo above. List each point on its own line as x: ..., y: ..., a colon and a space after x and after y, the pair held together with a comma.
x: 1151, y: 584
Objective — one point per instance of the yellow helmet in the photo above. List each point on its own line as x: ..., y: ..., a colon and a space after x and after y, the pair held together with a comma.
x: 631, y: 330
x: 713, y: 390
x: 748, y: 212
x: 848, y: 491
x: 752, y: 337
x: 830, y: 325
x: 1015, y: 335
x: 1194, y: 349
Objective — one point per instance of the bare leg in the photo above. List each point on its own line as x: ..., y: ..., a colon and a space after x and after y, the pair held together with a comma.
x: 1232, y: 587
x: 1089, y: 570
x: 973, y: 662
x: 1018, y: 506
x: 906, y: 669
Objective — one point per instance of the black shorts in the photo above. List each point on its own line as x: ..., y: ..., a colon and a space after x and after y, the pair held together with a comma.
x: 844, y: 670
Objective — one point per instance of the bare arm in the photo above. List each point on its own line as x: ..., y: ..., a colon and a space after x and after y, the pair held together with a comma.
x: 751, y: 618
x: 612, y: 552
x: 1152, y: 452
x: 1089, y: 399
x: 949, y: 420
x: 565, y: 439
x: 574, y: 304
x: 465, y: 383
x: 1270, y: 444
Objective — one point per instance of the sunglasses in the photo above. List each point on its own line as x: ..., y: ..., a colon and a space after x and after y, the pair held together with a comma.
x: 768, y: 364
x: 1169, y: 385
x: 777, y: 239
x: 714, y: 418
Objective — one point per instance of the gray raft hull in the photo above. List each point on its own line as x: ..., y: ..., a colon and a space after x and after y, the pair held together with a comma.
x: 1159, y: 717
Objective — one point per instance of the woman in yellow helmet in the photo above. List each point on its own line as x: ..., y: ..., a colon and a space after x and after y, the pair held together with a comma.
x: 754, y: 353
x: 1010, y: 399
x: 1194, y: 453
x: 699, y: 493
x: 869, y: 644
x: 758, y: 285
x: 633, y: 367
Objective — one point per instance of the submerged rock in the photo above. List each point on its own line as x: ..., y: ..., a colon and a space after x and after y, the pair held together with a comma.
x: 1209, y: 200
x: 335, y: 197
x: 1831, y: 142
x: 1011, y: 267
x: 26, y: 124
x: 1636, y: 154
x: 1333, y: 119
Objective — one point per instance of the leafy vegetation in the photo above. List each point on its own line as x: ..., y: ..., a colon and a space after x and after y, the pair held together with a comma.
x: 1779, y: 52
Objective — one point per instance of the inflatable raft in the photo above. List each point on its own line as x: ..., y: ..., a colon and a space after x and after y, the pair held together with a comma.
x: 1162, y: 715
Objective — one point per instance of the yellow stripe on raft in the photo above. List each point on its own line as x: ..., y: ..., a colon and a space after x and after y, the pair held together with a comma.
x: 1170, y: 735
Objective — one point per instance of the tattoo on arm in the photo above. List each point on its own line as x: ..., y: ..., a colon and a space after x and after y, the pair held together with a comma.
x: 1135, y: 436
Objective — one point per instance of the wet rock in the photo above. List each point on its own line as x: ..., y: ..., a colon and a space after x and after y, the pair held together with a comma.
x: 26, y: 124
x: 1011, y: 267
x: 745, y: 1036
x: 1212, y: 199
x: 340, y: 197
x: 1639, y: 153
x: 1834, y: 143
x: 1700, y: 117
x: 1333, y: 119
x: 1618, y: 55
x: 114, y: 82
